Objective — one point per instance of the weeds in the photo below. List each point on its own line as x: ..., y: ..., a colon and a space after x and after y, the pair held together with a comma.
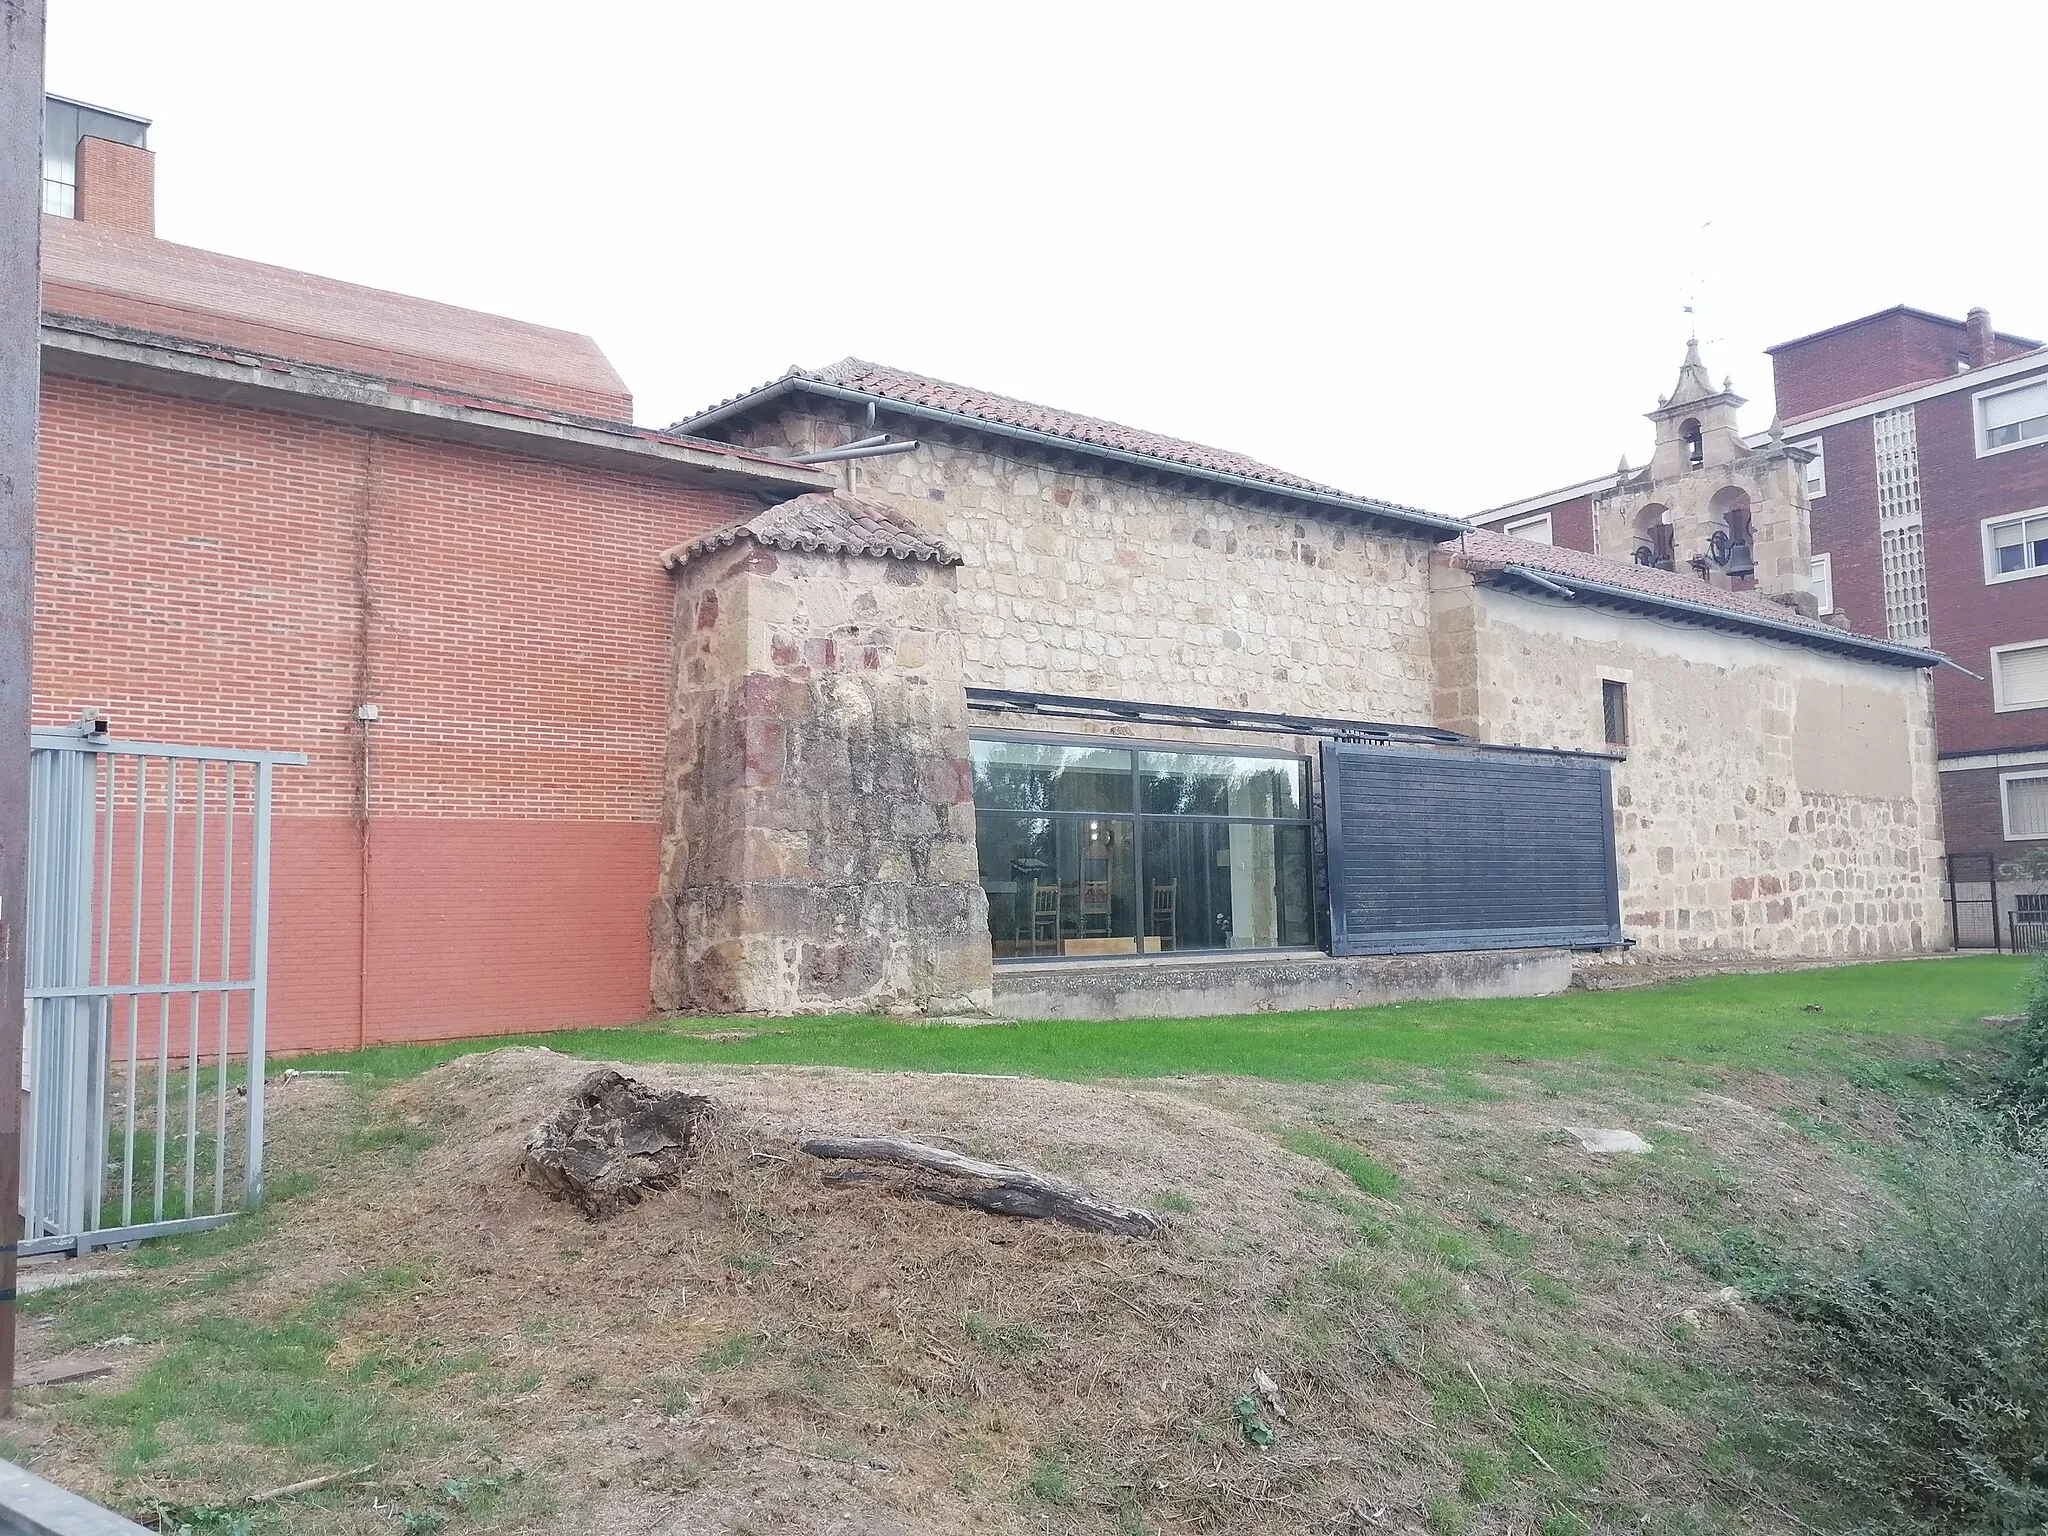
x: 1921, y: 1389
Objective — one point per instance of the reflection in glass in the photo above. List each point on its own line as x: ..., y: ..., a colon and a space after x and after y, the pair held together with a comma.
x: 1032, y: 776
x: 1200, y: 784
x: 1059, y: 885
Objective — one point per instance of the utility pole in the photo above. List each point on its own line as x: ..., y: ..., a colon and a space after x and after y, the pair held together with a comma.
x: 21, y: 306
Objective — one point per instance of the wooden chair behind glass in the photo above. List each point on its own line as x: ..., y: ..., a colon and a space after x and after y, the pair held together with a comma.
x: 1045, y: 919
x: 1095, y: 896
x: 1164, y: 922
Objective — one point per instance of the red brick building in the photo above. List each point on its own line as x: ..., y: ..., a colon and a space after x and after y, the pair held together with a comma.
x: 1928, y: 503
x: 420, y: 545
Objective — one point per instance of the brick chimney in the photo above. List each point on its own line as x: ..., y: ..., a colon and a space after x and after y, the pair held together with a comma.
x: 117, y: 186
x: 1982, y: 344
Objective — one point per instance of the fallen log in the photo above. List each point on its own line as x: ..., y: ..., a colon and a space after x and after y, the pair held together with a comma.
x: 993, y: 1187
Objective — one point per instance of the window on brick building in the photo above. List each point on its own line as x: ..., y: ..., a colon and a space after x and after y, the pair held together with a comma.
x: 1816, y: 469
x: 2013, y: 418
x: 2026, y: 805
x: 1614, y: 710
x: 2016, y: 546
x: 64, y: 124
x: 1535, y: 529
x: 2019, y: 676
x: 1823, y: 582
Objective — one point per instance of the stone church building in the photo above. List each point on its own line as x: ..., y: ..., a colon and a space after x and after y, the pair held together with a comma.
x: 866, y: 691
x: 1045, y: 713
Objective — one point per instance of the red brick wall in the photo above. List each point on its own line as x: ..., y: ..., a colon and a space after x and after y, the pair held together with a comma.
x: 1973, y: 816
x: 1571, y: 524
x: 1887, y: 351
x: 1957, y: 491
x: 116, y: 186
x: 226, y: 576
x: 1844, y: 524
x: 1968, y: 616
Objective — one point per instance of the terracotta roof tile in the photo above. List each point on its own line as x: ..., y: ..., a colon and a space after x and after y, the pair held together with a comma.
x: 826, y: 522
x: 916, y: 389
x: 1002, y: 412
x: 1481, y: 551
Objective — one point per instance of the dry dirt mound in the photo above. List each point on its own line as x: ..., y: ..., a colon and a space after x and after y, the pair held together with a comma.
x: 1475, y: 1320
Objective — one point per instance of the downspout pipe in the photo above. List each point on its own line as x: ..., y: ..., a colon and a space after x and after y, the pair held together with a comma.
x: 854, y: 451
x: 1544, y: 582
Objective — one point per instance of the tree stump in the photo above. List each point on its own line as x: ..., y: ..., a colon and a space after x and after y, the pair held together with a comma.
x: 614, y: 1140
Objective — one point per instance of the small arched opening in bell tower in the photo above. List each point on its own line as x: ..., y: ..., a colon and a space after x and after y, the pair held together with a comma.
x: 1654, y: 545
x: 1733, y: 543
x: 1695, y: 442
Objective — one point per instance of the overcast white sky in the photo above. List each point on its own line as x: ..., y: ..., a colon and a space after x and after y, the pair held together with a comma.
x: 1436, y: 253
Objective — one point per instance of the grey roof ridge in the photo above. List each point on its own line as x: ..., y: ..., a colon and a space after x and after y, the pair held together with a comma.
x: 1438, y: 524
x: 1815, y: 636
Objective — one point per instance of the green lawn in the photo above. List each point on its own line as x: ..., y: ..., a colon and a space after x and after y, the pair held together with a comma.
x: 1720, y: 1021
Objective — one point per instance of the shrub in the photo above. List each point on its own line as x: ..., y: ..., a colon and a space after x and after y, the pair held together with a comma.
x: 1918, y: 1391
x: 2026, y: 1076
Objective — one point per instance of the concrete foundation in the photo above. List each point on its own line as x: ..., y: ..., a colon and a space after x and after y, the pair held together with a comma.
x: 1221, y: 984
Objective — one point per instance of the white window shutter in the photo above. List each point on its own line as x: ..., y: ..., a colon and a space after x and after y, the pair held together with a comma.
x: 2023, y: 677
x: 2026, y: 807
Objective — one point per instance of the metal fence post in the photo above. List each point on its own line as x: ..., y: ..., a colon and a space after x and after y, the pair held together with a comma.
x: 21, y: 231
x: 259, y: 971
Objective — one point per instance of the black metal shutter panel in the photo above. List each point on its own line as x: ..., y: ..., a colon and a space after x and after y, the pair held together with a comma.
x: 1446, y: 850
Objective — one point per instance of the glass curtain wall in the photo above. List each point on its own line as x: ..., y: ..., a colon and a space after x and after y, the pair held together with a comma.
x: 1097, y: 850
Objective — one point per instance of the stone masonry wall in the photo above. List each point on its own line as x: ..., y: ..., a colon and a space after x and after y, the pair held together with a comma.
x: 1734, y: 829
x: 1079, y: 584
x: 818, y: 843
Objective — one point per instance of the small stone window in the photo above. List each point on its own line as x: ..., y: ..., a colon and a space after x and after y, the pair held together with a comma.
x: 1614, y: 710
x: 1695, y: 444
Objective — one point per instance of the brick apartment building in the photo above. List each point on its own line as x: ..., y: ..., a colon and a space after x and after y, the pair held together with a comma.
x: 1927, y: 494
x: 267, y: 499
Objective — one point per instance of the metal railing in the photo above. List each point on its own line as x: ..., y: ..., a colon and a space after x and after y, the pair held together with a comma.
x: 1973, y: 901
x: 148, y: 960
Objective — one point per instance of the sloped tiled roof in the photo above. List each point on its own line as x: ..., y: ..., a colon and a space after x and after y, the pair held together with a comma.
x: 1486, y: 553
x: 122, y: 278
x: 916, y: 389
x: 919, y: 393
x: 826, y: 523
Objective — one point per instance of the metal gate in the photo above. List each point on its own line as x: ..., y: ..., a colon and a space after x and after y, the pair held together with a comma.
x: 1973, y: 901
x: 148, y: 948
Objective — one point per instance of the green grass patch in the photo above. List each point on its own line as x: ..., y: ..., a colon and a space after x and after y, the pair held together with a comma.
x: 1716, y: 1021
x: 730, y: 1353
x: 1372, y: 1177
x: 1051, y: 1480
x: 1013, y: 1339
x: 263, y: 1383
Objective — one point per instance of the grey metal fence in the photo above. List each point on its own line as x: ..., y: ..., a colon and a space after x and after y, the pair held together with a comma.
x: 148, y: 959
x: 1973, y: 901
